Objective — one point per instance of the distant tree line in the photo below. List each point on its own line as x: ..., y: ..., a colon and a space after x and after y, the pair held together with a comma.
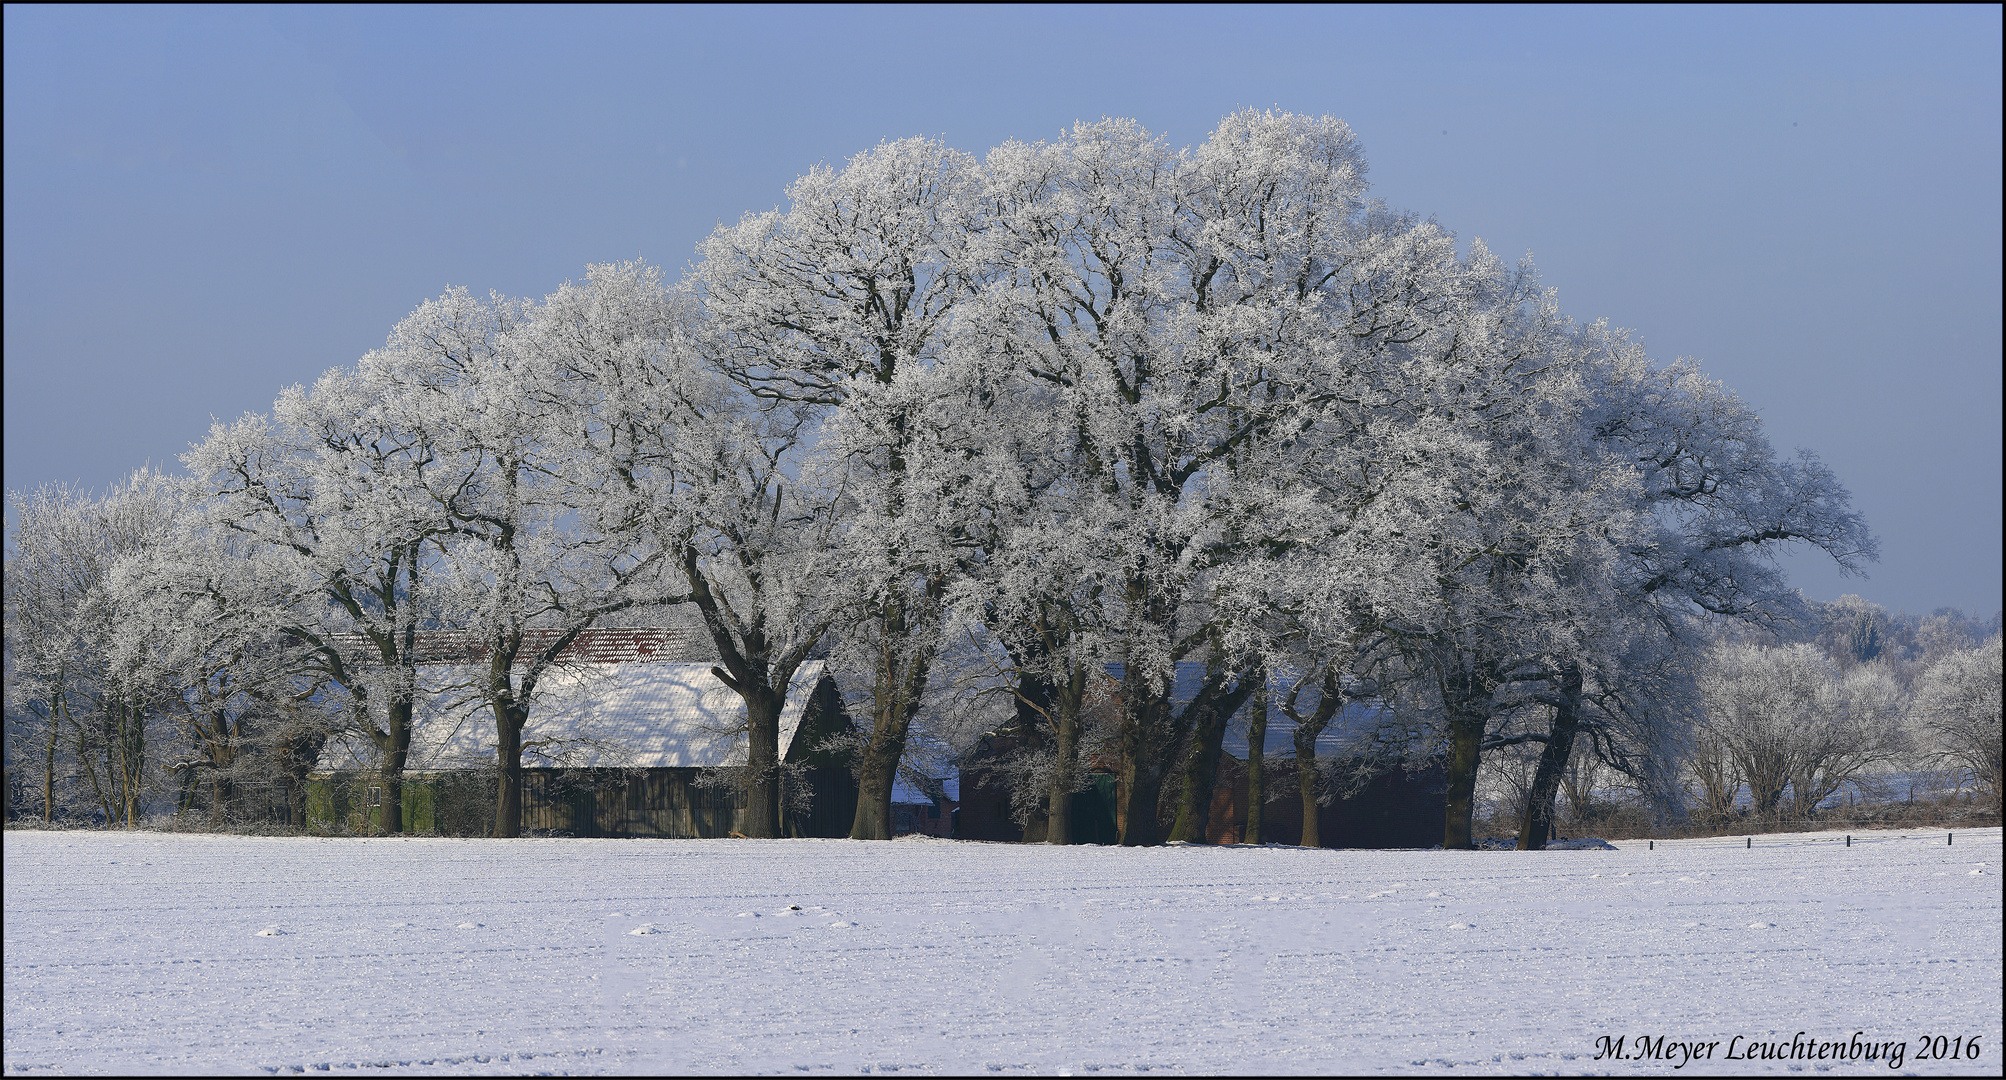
x: 988, y: 435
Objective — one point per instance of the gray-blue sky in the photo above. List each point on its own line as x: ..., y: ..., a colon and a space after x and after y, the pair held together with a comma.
x: 205, y: 205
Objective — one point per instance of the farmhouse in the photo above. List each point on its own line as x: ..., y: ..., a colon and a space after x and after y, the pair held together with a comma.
x: 631, y: 735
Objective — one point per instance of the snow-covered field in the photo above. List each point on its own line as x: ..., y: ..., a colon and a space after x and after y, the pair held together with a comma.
x: 176, y: 953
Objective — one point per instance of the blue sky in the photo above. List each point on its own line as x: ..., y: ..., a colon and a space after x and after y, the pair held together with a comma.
x: 204, y: 205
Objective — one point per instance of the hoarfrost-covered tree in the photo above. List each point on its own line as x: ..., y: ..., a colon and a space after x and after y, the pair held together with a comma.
x: 1788, y: 718
x: 846, y: 301
x: 201, y: 627
x: 550, y: 522
x: 1711, y: 505
x: 1180, y: 307
x: 331, y: 494
x: 89, y: 713
x: 1957, y: 711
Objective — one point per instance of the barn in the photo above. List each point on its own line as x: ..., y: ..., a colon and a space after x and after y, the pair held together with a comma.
x: 622, y: 742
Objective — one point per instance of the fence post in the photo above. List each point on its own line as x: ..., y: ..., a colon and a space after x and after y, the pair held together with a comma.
x: 1849, y: 841
x: 1751, y: 843
x: 1654, y: 845
x: 1949, y: 839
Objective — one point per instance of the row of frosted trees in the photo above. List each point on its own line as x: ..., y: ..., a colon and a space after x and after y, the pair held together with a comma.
x: 978, y: 432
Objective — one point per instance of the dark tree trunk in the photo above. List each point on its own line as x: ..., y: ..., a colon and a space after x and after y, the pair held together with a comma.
x: 1038, y: 699
x: 509, y: 722
x: 874, y: 794
x: 1059, y: 804
x: 396, y: 749
x: 895, y: 700
x: 878, y: 769
x: 762, y: 760
x: 1257, y: 793
x: 1466, y: 736
x: 877, y: 772
x: 222, y: 754
x: 1306, y: 790
x: 1150, y: 739
x: 1538, y: 823
x: 219, y: 799
x: 1201, y: 769
x: 1465, y: 683
x: 1207, y: 717
x: 1144, y: 788
x: 1330, y: 697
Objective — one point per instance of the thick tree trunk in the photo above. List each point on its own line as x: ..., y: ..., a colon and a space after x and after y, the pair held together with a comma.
x: 509, y: 722
x: 219, y: 800
x: 1144, y: 789
x: 1207, y: 717
x: 1201, y: 771
x: 877, y: 773
x: 1330, y: 698
x: 1465, y: 683
x: 1466, y: 736
x: 895, y: 700
x: 1306, y: 789
x: 1066, y: 761
x: 222, y: 753
x: 396, y: 749
x: 762, y: 760
x: 873, y: 820
x: 1538, y: 823
x: 1150, y: 738
x: 1257, y: 734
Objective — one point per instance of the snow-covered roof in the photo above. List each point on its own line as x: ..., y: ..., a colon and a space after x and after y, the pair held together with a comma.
x: 628, y: 715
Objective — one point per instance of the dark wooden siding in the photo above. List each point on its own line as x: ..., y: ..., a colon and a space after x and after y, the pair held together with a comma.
x: 591, y: 802
x: 1394, y: 807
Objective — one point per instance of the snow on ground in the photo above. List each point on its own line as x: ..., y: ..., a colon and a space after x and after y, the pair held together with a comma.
x: 177, y: 953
